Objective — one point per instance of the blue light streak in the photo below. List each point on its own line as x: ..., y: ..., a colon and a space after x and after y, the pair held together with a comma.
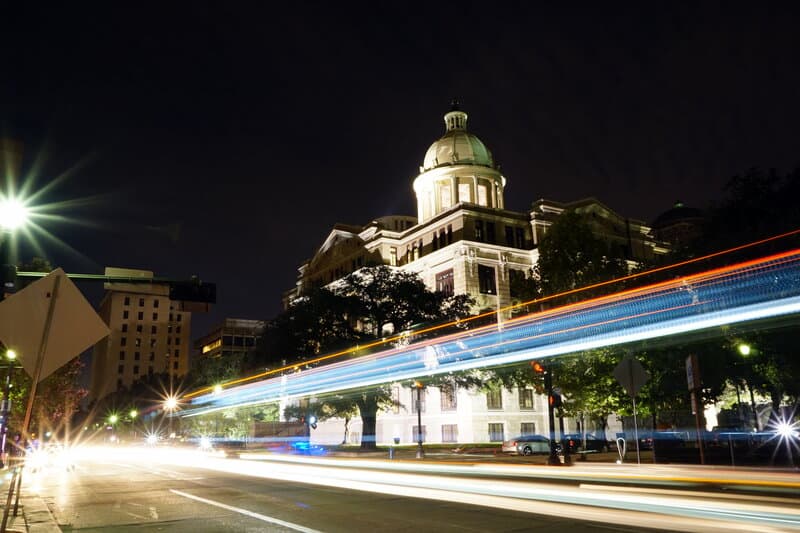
x: 743, y: 293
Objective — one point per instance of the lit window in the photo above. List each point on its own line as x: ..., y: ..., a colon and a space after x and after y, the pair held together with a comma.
x: 483, y: 195
x: 495, y: 432
x: 526, y: 399
x: 445, y: 197
x: 486, y: 281
x: 444, y: 282
x: 449, y: 433
x: 494, y: 399
x: 464, y: 192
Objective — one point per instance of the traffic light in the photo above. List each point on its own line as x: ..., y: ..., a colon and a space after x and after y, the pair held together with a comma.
x: 538, y: 368
x: 193, y: 291
x: 555, y: 399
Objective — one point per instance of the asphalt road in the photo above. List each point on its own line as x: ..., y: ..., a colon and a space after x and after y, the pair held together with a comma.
x: 144, y: 491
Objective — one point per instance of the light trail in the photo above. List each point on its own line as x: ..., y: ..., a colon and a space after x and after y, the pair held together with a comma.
x: 753, y: 290
x: 388, y: 341
x: 528, y: 489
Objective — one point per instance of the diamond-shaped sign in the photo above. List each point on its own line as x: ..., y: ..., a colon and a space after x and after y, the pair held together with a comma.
x: 74, y: 326
x: 631, y: 375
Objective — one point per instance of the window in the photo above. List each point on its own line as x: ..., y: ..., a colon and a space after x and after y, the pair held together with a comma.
x: 520, y: 233
x: 495, y: 432
x: 123, y: 341
x: 175, y: 364
x: 449, y: 433
x: 179, y: 317
x: 491, y: 238
x: 479, y: 230
x: 435, y: 241
x: 445, y: 197
x: 526, y: 399
x: 483, y: 195
x: 138, y: 328
x: 149, y: 370
x: 152, y: 356
x: 136, y: 356
x: 509, y: 236
x: 155, y: 303
x: 124, y: 315
x: 516, y: 282
x: 136, y: 369
x: 141, y: 302
x: 155, y: 316
x: 153, y: 330
x: 449, y: 394
x: 127, y: 300
x: 494, y: 399
x: 444, y: 282
x: 152, y: 343
x: 449, y: 234
x: 177, y: 341
x: 120, y: 369
x: 177, y: 353
x: 486, y: 281
x: 122, y: 356
x: 119, y: 383
x: 178, y: 329
x: 464, y: 192
x: 124, y: 328
x: 414, y: 397
x: 393, y: 256
x: 141, y: 315
x: 415, y: 433
x: 527, y: 428
x: 138, y: 342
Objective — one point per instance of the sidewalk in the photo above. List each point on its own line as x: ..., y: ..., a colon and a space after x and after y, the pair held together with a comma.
x: 33, y: 516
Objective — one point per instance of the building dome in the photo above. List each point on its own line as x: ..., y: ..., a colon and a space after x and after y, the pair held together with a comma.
x: 457, y: 146
x: 677, y: 214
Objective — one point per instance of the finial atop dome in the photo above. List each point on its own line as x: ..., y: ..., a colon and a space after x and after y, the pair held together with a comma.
x: 455, y: 119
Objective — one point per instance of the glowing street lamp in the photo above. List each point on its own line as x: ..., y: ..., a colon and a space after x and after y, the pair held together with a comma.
x: 13, y: 214
x: 170, y: 404
x: 5, y: 409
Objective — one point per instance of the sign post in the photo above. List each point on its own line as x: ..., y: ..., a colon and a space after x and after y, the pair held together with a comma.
x: 632, y: 376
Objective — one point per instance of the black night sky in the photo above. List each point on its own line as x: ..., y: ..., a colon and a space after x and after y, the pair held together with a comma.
x: 226, y: 140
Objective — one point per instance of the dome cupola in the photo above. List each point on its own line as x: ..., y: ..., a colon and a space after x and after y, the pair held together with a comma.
x: 457, y: 169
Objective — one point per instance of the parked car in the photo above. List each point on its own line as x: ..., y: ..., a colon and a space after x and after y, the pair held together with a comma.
x: 510, y: 445
x: 574, y: 443
x: 532, y: 444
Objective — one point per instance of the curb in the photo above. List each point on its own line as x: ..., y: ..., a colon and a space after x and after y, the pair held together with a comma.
x: 36, y: 517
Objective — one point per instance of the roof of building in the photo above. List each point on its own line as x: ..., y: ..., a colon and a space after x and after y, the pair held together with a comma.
x: 457, y: 146
x: 677, y: 213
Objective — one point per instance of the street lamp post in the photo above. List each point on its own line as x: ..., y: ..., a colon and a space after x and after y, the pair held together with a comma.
x: 5, y: 408
x: 420, y: 450
x: 169, y: 407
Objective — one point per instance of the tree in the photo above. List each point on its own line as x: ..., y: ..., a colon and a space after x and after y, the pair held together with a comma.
x: 571, y: 257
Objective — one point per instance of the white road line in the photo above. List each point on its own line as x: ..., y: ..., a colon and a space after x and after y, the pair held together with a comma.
x: 245, y: 512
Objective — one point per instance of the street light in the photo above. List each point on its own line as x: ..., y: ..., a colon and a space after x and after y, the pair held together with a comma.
x: 745, y: 350
x: 5, y: 408
x: 420, y: 450
x: 170, y: 404
x: 13, y: 214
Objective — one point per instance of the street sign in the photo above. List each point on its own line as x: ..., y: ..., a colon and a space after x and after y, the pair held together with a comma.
x: 74, y: 326
x: 631, y: 375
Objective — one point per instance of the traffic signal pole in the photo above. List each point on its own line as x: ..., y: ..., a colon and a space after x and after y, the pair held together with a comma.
x: 551, y: 419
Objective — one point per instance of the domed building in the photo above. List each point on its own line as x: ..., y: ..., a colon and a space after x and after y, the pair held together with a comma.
x: 462, y: 241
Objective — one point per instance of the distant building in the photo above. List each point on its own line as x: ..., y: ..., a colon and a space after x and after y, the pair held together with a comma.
x: 234, y: 336
x: 149, y: 334
x: 680, y: 225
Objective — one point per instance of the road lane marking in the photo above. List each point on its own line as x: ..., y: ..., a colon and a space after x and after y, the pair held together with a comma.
x: 245, y: 512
